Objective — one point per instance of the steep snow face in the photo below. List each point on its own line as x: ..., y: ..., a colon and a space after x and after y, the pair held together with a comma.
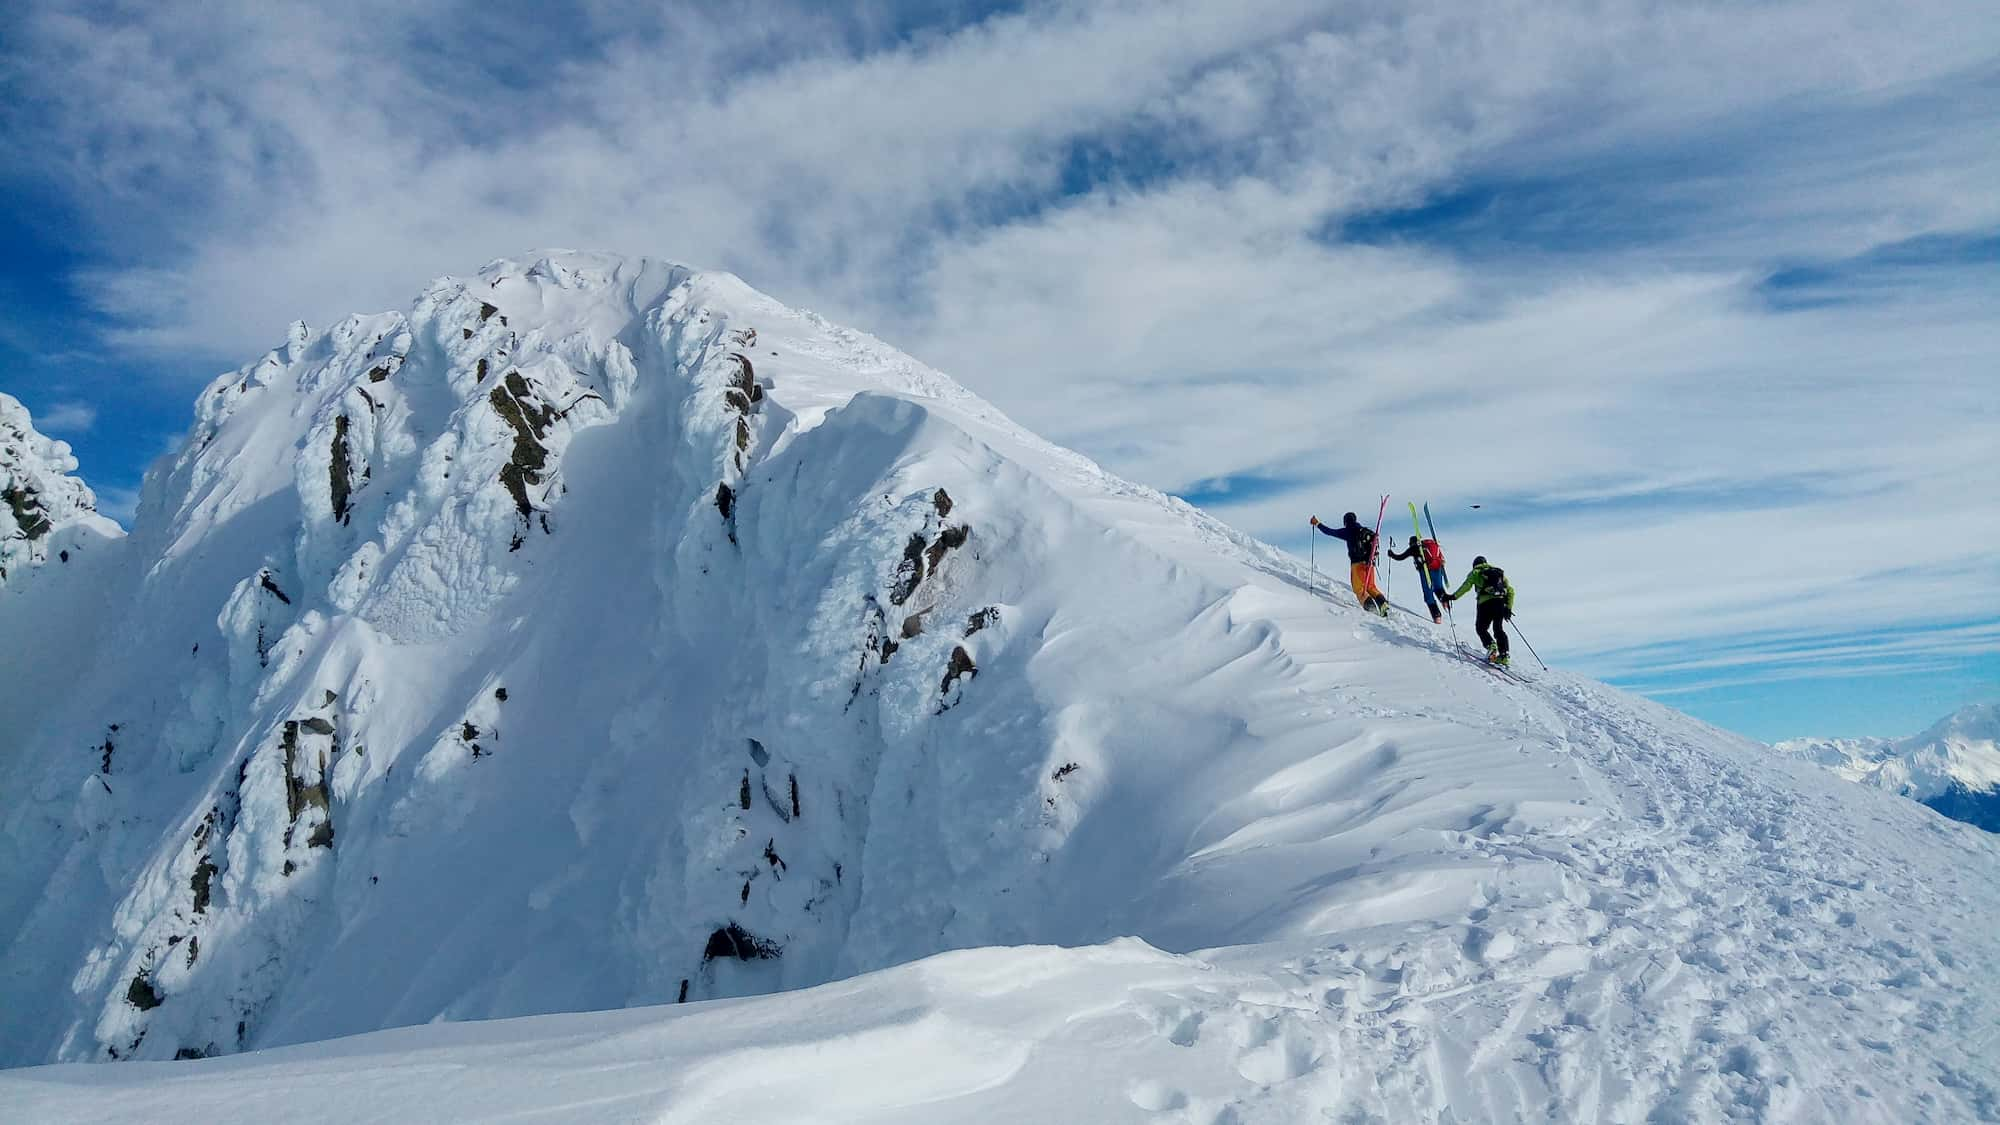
x: 1953, y: 767
x: 60, y: 564
x: 405, y: 660
x: 601, y: 633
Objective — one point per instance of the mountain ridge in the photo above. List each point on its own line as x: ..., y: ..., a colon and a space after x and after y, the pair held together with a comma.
x: 602, y: 634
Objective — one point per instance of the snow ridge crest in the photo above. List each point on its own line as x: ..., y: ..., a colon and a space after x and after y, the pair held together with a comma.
x: 600, y: 633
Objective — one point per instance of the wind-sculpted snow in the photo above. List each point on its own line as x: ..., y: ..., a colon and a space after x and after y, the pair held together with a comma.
x: 602, y: 634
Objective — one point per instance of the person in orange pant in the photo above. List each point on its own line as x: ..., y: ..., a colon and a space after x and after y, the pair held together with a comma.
x: 1361, y: 561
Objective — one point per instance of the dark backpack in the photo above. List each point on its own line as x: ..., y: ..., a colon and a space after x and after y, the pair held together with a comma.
x: 1492, y: 582
x: 1362, y: 547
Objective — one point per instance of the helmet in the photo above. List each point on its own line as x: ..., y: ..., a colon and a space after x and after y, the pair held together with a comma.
x: 1349, y: 519
x: 1414, y: 540
x: 1479, y: 560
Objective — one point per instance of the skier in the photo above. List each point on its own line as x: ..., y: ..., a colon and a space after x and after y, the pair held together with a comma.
x: 1429, y: 560
x: 1361, y: 561
x: 1496, y: 604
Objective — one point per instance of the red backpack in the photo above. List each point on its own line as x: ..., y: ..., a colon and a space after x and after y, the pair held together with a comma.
x: 1433, y: 555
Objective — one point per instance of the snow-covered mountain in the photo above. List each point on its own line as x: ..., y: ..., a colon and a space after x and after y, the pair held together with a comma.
x: 45, y: 512
x: 56, y: 554
x: 601, y: 634
x: 1954, y: 767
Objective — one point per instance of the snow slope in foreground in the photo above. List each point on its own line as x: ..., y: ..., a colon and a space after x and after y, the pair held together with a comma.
x: 1954, y: 767
x: 602, y: 633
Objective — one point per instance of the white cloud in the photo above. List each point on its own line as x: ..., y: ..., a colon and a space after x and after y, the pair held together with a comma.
x: 1586, y: 349
x: 66, y: 418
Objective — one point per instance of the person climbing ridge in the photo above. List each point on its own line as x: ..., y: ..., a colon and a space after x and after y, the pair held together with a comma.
x: 1361, y: 561
x: 1496, y: 605
x: 1429, y: 560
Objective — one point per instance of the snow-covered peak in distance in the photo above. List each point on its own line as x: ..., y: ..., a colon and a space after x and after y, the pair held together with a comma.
x: 1953, y: 767
x: 1976, y: 725
x: 601, y: 633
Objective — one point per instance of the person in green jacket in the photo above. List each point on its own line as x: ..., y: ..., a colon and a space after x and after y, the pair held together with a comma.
x: 1496, y: 605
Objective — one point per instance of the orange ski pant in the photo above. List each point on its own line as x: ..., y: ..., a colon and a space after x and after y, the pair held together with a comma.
x: 1362, y: 576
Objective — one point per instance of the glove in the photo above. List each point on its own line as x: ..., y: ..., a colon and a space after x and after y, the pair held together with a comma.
x: 1315, y: 521
x: 1507, y: 614
x: 1445, y: 598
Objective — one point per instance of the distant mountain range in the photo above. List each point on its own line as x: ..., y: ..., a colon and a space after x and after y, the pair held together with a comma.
x: 1954, y: 767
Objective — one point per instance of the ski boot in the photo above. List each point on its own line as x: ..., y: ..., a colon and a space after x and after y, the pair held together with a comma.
x: 1437, y: 618
x: 1500, y: 661
x: 1492, y: 654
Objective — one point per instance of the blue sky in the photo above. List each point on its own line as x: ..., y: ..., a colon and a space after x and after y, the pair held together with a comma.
x: 1698, y: 304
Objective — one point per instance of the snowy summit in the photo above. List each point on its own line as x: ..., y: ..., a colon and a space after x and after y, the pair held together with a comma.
x: 1954, y: 767
x: 601, y: 634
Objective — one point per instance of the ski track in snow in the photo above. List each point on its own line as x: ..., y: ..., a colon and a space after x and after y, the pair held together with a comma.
x: 1372, y: 883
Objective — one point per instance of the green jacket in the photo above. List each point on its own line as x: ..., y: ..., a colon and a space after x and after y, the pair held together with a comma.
x: 1472, y: 581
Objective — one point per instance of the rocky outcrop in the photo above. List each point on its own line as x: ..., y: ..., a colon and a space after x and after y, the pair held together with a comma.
x: 529, y: 418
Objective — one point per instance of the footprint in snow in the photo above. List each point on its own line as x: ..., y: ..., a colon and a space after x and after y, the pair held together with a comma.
x: 1181, y: 1025
x: 1273, y: 1050
x: 1156, y: 1097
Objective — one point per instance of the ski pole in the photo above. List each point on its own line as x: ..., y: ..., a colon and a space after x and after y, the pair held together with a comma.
x: 1312, y: 547
x: 1524, y: 640
x: 1449, y: 619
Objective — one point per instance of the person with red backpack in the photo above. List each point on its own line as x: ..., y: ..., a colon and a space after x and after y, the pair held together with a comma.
x: 1361, y: 561
x: 1429, y: 560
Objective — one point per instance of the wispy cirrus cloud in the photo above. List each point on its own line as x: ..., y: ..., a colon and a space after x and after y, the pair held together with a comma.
x: 1696, y: 302
x: 66, y: 417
